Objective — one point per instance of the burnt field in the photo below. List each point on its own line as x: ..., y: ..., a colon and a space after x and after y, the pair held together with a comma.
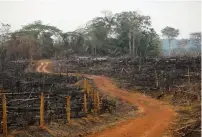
x: 151, y: 74
x: 23, y: 89
x: 177, y: 80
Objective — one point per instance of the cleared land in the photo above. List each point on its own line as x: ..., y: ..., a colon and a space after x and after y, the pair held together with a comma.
x: 154, y: 121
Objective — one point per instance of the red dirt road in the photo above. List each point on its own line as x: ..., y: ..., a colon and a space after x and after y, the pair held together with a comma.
x: 155, y: 119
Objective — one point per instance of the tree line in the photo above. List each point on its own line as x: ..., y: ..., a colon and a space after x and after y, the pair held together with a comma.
x: 126, y: 33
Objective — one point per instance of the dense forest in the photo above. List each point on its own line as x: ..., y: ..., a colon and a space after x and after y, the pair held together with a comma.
x: 126, y: 33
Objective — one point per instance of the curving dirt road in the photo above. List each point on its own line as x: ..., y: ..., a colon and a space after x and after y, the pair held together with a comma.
x: 155, y: 119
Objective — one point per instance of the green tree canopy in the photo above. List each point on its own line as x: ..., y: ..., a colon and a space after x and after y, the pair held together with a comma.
x: 110, y: 34
x: 170, y: 33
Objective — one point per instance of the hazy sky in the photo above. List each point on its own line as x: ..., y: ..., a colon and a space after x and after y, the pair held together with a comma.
x: 68, y: 15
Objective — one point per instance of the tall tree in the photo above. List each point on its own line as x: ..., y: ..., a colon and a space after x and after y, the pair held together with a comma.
x: 98, y: 33
x: 183, y: 42
x: 196, y: 39
x: 43, y: 35
x: 74, y: 41
x: 110, y: 34
x: 170, y: 33
x: 4, y: 38
x: 133, y: 32
x: 125, y: 32
x: 21, y: 47
x: 4, y: 33
x: 150, y: 43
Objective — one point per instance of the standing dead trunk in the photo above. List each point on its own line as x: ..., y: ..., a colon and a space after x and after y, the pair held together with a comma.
x: 140, y: 61
x: 169, y: 41
x: 133, y: 50
x: 136, y: 48
x: 145, y: 52
x: 95, y: 51
x: 129, y: 43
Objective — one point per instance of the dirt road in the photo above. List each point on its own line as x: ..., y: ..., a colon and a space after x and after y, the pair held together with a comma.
x: 155, y: 119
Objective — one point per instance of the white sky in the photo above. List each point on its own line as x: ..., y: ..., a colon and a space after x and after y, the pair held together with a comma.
x: 68, y: 15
